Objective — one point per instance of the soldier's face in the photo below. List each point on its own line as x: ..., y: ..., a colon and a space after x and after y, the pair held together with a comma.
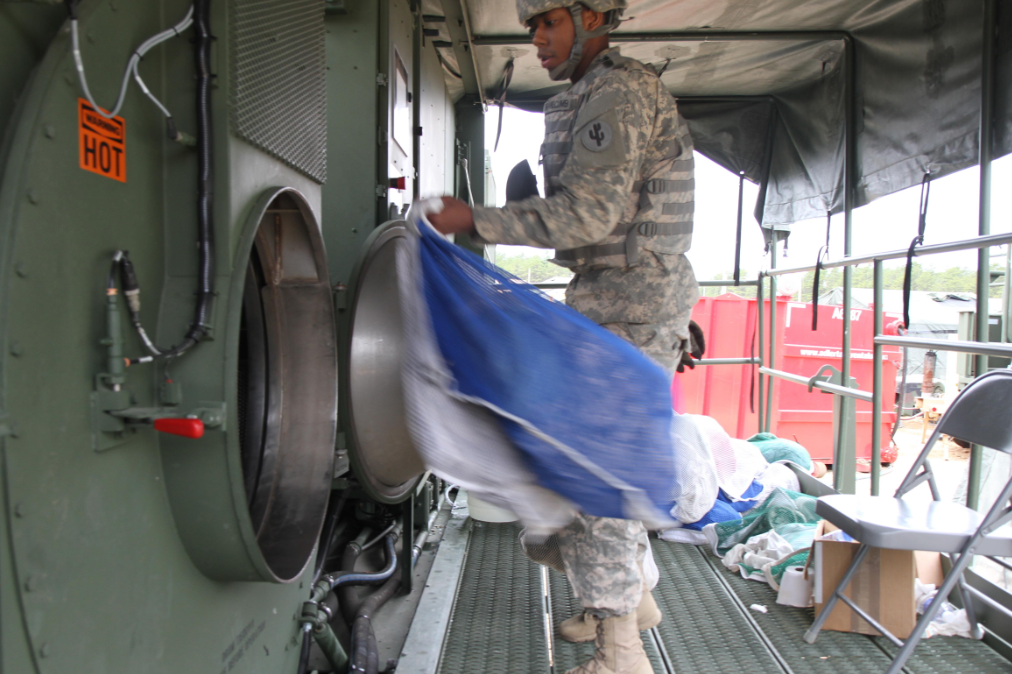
x: 553, y: 34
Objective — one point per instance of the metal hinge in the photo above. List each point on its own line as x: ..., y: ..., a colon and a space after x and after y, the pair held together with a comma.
x: 381, y: 191
x: 382, y: 80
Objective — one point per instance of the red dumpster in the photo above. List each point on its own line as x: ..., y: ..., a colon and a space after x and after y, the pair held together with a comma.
x: 728, y: 392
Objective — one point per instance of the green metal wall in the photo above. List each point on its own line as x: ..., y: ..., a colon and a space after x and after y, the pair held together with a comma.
x: 94, y: 575
x: 105, y: 556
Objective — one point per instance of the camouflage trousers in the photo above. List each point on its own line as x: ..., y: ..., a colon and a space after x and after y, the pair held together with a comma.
x: 601, y: 556
x: 663, y: 342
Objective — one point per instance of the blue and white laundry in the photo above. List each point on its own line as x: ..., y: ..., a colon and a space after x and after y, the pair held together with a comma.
x: 525, y: 402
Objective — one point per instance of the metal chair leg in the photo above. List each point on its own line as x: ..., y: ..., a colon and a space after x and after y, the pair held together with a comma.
x: 976, y: 629
x: 950, y: 582
x: 813, y: 632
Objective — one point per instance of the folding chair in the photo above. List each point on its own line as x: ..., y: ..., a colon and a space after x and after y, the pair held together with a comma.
x: 981, y: 415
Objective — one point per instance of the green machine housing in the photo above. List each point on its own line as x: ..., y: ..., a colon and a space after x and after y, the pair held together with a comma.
x: 124, y: 549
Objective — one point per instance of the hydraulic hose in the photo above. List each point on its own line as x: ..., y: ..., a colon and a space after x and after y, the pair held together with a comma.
x: 334, y: 510
x: 343, y: 578
x: 346, y: 598
x: 365, y: 651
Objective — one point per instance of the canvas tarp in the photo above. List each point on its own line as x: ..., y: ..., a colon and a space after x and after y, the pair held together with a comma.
x: 775, y: 106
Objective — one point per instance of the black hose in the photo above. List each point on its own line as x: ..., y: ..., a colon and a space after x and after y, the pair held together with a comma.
x: 365, y: 654
x: 346, y: 595
x: 334, y: 509
x: 365, y: 651
x: 205, y: 185
x: 343, y: 578
x: 200, y: 324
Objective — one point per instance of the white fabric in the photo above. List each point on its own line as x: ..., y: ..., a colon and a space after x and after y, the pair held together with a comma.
x: 746, y: 463
x: 777, y: 475
x: 696, y: 475
x: 948, y: 622
x: 761, y: 552
x: 690, y: 536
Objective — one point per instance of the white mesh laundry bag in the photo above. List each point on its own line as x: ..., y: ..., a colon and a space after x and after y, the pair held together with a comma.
x: 696, y: 483
x: 736, y: 462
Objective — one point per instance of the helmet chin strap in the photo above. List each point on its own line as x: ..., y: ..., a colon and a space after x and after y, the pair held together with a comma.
x: 565, y: 70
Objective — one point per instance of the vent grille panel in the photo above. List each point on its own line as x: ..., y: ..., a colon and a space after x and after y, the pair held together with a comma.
x: 278, y: 87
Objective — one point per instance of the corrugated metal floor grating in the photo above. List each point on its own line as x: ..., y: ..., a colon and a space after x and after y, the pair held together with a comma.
x: 498, y: 622
x: 498, y: 615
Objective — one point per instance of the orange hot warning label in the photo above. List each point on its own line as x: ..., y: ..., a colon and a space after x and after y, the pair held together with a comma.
x: 102, y: 142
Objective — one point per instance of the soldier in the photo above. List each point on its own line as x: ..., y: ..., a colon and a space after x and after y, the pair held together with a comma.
x: 618, y: 171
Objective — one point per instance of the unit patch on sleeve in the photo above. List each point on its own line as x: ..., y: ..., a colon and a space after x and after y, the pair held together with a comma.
x: 102, y: 144
x: 597, y: 136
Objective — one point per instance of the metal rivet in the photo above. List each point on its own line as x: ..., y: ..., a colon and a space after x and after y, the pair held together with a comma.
x: 91, y: 38
x: 50, y: 131
x: 31, y: 583
x: 21, y: 269
x: 20, y: 510
x: 354, y: 230
x: 16, y: 349
x: 33, y: 196
x: 45, y: 650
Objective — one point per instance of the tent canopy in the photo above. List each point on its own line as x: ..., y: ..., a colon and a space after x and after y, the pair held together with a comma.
x: 770, y: 87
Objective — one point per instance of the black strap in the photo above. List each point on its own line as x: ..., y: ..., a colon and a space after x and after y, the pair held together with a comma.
x: 737, y: 245
x: 922, y: 222
x: 507, y: 77
x: 823, y: 253
x: 660, y: 186
x: 629, y: 247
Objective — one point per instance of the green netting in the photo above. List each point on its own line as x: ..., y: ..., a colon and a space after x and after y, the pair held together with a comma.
x: 777, y: 449
x: 781, y: 507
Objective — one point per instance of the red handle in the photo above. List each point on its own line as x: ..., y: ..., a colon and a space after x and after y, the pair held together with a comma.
x: 187, y: 428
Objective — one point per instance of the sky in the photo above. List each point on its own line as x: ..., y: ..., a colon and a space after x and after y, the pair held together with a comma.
x: 886, y: 224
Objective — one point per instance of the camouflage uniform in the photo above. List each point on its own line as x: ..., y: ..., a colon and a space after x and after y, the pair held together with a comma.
x: 619, y: 181
x: 619, y: 178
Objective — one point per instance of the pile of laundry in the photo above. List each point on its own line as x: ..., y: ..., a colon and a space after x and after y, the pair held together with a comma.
x: 742, y: 499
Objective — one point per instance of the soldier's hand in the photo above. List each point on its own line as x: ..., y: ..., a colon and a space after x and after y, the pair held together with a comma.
x: 455, y: 218
x: 694, y: 348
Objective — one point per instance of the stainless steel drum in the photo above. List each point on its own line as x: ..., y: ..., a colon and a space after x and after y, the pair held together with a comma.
x: 382, y: 454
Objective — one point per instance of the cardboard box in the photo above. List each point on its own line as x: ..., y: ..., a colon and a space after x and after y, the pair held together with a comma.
x: 883, y: 585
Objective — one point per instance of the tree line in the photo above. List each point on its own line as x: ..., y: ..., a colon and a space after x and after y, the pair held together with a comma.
x: 952, y: 280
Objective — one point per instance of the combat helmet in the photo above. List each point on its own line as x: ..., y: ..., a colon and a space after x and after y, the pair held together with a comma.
x: 612, y: 9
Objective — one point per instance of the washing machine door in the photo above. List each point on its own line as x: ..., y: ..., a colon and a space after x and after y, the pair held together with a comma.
x: 383, y: 456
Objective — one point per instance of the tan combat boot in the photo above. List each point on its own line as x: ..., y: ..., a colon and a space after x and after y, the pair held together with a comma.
x: 583, y: 626
x: 619, y: 649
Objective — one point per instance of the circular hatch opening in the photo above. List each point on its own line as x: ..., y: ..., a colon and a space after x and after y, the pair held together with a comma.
x: 287, y: 386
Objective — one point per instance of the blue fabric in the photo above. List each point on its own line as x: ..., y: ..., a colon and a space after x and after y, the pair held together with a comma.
x: 742, y: 506
x: 725, y: 510
x: 510, y: 345
x: 722, y: 511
